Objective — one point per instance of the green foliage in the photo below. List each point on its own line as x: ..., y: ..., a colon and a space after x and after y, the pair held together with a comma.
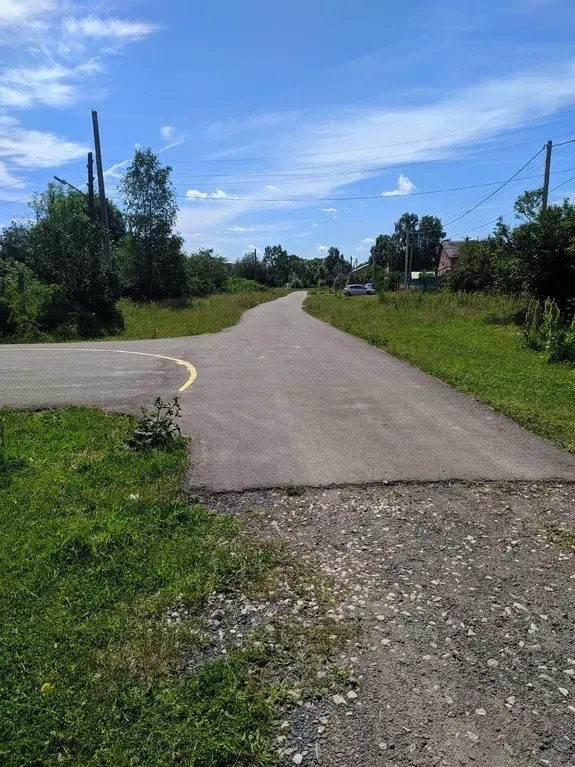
x: 151, y: 260
x: 97, y: 546
x: 67, y: 251
x: 158, y: 427
x: 202, y: 315
x: 243, y: 285
x: 552, y: 331
x: 446, y: 335
x: 532, y: 329
x: 15, y: 243
x: 296, y: 283
x: 207, y: 273
x: 473, y: 271
x: 528, y: 205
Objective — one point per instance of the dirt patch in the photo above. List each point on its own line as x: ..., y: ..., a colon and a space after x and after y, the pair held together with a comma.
x: 465, y: 598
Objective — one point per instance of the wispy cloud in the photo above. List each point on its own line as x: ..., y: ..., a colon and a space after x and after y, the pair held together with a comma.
x: 195, y: 194
x: 322, y: 248
x: 404, y: 186
x: 99, y: 28
x: 240, y: 229
x: 328, y: 210
x: 271, y: 187
x: 115, y: 171
x: 367, y: 241
x: 172, y: 136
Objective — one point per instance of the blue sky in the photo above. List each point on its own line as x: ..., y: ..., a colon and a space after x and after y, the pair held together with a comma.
x: 273, y: 113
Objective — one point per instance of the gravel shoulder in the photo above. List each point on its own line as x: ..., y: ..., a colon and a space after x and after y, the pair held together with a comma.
x: 464, y: 594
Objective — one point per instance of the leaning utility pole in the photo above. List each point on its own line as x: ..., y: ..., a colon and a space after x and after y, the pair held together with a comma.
x: 406, y: 265
x: 101, y: 189
x: 91, y: 210
x: 545, y: 200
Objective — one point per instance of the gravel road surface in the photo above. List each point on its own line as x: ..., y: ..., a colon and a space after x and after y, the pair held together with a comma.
x: 465, y: 598
x: 284, y: 399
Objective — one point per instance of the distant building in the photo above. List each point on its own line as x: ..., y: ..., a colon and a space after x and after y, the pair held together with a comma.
x: 448, y: 256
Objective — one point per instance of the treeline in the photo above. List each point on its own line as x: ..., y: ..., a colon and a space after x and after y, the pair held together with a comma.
x: 56, y: 283
x: 535, y: 259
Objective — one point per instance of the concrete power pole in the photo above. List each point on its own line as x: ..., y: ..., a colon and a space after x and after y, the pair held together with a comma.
x: 406, y: 265
x: 549, y: 151
x: 91, y: 210
x: 101, y: 189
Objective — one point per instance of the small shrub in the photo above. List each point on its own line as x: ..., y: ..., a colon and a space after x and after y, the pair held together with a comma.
x: 157, y: 427
x: 553, y: 333
x: 533, y: 325
x: 243, y: 285
x: 296, y: 284
x: 569, y: 343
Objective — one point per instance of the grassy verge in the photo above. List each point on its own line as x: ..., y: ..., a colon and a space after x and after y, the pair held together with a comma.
x: 469, y: 342
x: 96, y: 545
x: 197, y: 316
x: 127, y: 635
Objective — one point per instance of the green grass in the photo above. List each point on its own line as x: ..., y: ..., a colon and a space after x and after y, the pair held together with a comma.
x: 201, y: 315
x: 97, y: 543
x: 460, y: 340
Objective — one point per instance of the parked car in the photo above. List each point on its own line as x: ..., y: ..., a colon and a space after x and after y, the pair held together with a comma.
x: 358, y: 290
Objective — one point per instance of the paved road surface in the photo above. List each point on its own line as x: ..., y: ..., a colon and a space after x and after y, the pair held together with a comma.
x: 284, y: 399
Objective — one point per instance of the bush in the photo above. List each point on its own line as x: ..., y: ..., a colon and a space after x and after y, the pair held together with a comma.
x: 157, y: 427
x: 243, y: 285
x: 533, y: 325
x: 296, y: 284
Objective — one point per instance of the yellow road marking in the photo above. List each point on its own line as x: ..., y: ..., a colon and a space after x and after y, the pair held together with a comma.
x: 188, y: 365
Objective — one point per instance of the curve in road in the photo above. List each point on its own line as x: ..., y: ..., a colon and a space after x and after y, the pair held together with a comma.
x: 285, y: 399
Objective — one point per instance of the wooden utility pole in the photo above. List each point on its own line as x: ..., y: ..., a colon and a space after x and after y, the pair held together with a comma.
x: 91, y: 211
x: 255, y: 264
x: 406, y: 264
x: 101, y: 189
x: 547, y: 174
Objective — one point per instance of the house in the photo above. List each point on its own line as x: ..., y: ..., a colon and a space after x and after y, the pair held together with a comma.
x: 361, y: 272
x: 448, y: 256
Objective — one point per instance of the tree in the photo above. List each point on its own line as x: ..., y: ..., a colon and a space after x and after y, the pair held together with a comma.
x: 15, y: 242
x: 152, y: 263
x: 335, y: 264
x: 386, y: 252
x: 545, y: 248
x: 207, y: 273
x: 406, y: 224
x: 429, y: 235
x: 474, y: 268
x: 278, y: 265
x: 250, y: 267
x: 66, y: 250
x: 528, y: 205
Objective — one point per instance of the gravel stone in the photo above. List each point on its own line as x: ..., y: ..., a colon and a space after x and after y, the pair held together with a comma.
x: 464, y: 594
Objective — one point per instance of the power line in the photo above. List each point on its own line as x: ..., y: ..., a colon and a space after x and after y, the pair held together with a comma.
x: 40, y: 175
x: 564, y: 183
x: 312, y: 200
x: 489, y: 196
x: 400, y: 143
x: 274, y: 175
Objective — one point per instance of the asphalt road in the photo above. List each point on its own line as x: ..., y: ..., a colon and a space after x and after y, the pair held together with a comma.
x: 284, y: 399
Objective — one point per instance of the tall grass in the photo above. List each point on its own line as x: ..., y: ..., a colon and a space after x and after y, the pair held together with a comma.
x: 189, y: 317
x: 470, y: 342
x: 97, y: 544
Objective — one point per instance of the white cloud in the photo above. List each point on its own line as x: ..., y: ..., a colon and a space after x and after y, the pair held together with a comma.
x: 115, y: 170
x: 18, y: 11
x: 315, y: 223
x: 271, y: 187
x: 172, y: 136
x: 195, y: 194
x: 240, y: 229
x: 36, y: 149
x: 167, y: 132
x: 367, y: 241
x: 360, y: 247
x: 323, y: 248
x: 97, y: 28
x: 328, y: 210
x: 195, y: 235
x: 335, y: 218
x: 23, y: 87
x: 404, y: 186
